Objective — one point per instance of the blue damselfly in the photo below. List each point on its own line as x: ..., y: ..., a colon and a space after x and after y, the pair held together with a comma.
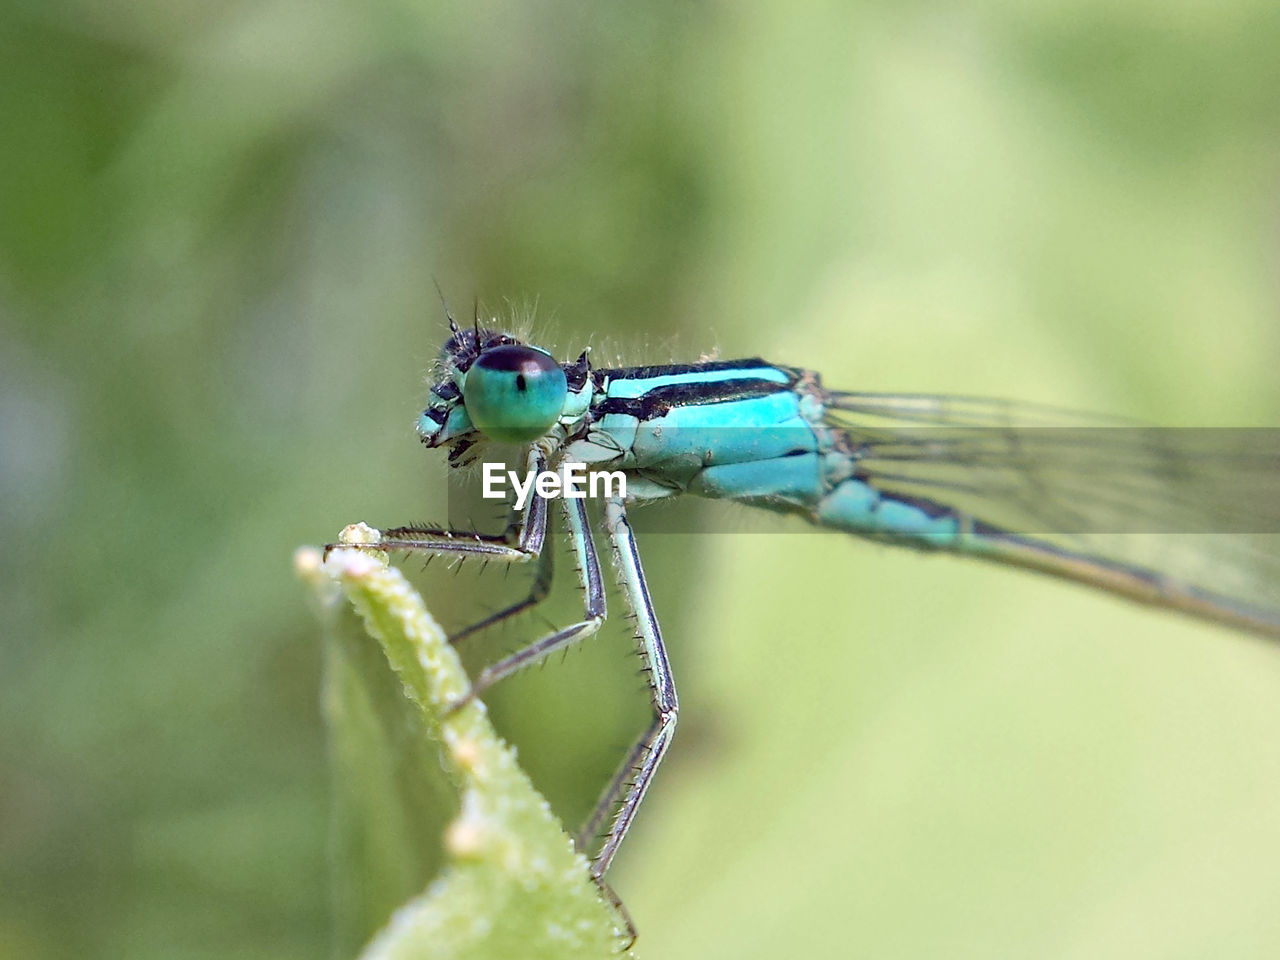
x: 1187, y: 520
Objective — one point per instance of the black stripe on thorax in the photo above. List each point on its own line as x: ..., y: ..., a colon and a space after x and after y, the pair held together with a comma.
x: 658, y: 401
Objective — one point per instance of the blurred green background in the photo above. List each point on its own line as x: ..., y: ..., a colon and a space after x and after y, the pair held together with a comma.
x: 218, y: 229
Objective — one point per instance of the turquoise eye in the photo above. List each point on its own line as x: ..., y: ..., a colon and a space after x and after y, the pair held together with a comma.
x: 514, y: 393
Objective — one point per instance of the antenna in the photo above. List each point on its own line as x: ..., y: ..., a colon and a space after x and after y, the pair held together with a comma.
x: 453, y: 325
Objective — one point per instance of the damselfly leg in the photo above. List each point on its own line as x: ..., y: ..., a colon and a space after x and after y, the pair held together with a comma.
x: 627, y: 788
x: 525, y: 542
x: 593, y: 613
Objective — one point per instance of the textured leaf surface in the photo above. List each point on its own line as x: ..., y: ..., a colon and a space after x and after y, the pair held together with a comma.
x: 511, y: 885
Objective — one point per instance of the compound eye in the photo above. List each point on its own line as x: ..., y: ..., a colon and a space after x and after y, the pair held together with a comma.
x: 514, y: 393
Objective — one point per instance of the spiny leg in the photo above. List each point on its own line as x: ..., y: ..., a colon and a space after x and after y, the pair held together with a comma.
x: 521, y: 542
x: 538, y: 590
x: 594, y: 610
x: 627, y: 788
x: 526, y: 533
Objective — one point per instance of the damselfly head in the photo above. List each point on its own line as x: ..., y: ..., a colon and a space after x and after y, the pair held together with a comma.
x: 490, y: 386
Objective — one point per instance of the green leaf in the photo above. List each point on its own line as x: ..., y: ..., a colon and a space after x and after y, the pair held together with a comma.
x: 511, y: 884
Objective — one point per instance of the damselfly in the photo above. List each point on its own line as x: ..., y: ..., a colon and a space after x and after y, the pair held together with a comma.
x: 1182, y: 519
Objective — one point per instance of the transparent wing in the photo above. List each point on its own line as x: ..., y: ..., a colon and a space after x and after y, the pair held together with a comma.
x: 1196, y: 508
